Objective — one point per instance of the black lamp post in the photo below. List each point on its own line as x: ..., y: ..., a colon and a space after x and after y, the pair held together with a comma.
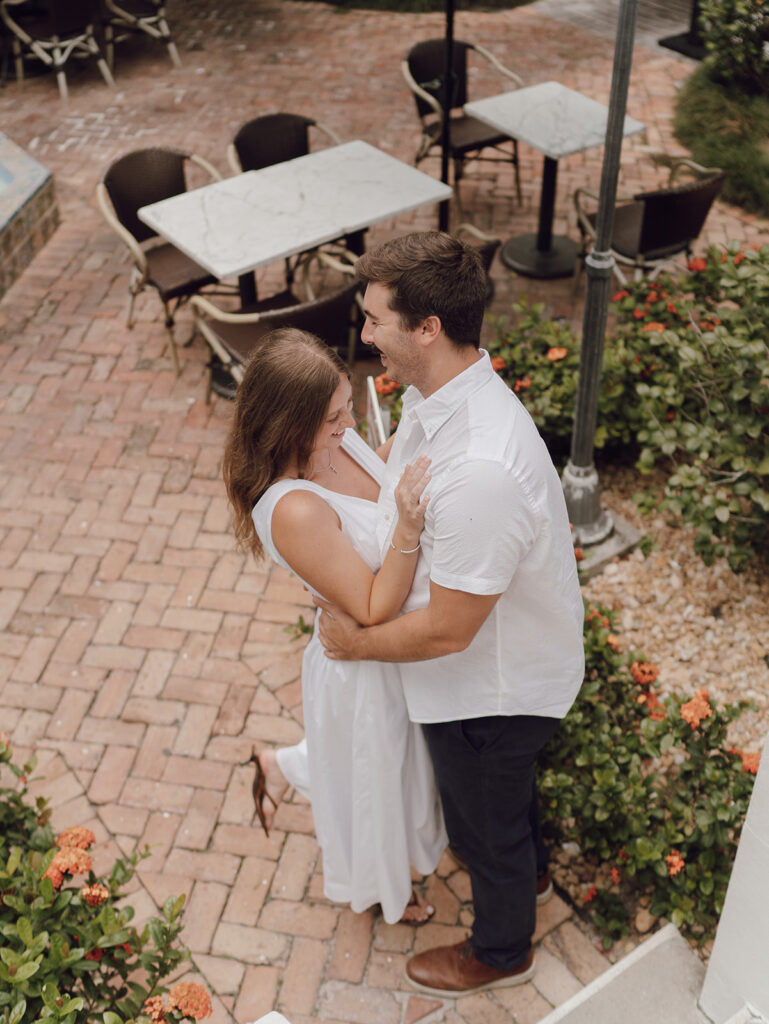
x: 443, y: 209
x: 592, y: 523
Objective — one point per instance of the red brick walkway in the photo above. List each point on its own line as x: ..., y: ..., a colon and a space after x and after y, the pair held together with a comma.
x: 141, y: 656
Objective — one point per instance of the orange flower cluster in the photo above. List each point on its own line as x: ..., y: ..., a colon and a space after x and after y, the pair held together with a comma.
x: 590, y: 895
x: 675, y: 863
x: 653, y: 326
x: 69, y: 861
x: 655, y: 706
x: 190, y: 999
x: 155, y: 1009
x: 595, y: 614
x: 95, y: 895
x: 613, y: 641
x: 579, y: 554
x: 614, y: 876
x: 556, y: 353
x: 750, y: 762
x: 524, y: 382
x: 619, y: 296
x: 694, y: 710
x: 76, y: 837
x: 696, y: 265
x: 385, y: 386
x: 644, y: 672
x: 498, y: 363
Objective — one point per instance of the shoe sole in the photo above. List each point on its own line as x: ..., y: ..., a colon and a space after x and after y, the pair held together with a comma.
x: 452, y: 993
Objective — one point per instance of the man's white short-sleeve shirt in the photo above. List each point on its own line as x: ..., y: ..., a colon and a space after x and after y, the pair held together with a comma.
x: 496, y: 524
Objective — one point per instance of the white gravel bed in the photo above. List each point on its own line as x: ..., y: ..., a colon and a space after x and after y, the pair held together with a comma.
x: 702, y: 625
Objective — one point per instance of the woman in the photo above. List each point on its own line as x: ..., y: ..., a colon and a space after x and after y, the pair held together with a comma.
x: 303, y: 487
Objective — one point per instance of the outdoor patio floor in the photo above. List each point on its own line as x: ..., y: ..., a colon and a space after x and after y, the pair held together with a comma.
x: 141, y: 655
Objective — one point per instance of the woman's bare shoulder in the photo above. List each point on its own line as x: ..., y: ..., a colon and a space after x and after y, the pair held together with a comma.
x: 300, y: 509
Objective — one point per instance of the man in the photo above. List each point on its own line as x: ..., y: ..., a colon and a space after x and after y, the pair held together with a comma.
x: 491, y: 635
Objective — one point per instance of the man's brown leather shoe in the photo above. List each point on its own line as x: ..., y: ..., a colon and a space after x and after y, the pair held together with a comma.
x: 454, y: 970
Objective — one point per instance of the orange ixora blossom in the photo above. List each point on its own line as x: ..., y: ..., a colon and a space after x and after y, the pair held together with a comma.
x: 619, y: 296
x: 644, y: 672
x: 655, y: 706
x: 653, y: 326
x: 639, y: 313
x: 591, y: 894
x: 498, y: 363
x: 71, y: 861
x: 556, y: 353
x: 76, y: 837
x: 385, y: 386
x: 190, y: 999
x: 697, y: 264
x: 95, y: 895
x: 675, y: 863
x: 524, y: 382
x: 614, y: 876
x: 155, y: 1009
x: 750, y: 762
x: 613, y: 641
x: 694, y: 710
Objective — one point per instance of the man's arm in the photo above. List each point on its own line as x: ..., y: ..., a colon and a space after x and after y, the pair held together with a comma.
x: 447, y: 625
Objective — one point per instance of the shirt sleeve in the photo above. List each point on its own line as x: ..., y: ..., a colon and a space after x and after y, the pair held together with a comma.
x: 483, y: 525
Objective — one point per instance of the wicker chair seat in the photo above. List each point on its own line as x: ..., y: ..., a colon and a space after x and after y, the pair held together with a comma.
x: 173, y: 273
x: 467, y: 133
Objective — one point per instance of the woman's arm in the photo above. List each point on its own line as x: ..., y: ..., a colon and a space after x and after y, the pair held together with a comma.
x: 307, y: 533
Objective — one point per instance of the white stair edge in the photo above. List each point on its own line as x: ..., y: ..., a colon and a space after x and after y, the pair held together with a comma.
x: 747, y: 1015
x: 666, y: 934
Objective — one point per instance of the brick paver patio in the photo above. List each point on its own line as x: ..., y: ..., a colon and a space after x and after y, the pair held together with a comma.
x: 141, y: 655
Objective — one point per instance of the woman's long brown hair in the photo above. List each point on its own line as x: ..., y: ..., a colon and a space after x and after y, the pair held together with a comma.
x: 279, y: 409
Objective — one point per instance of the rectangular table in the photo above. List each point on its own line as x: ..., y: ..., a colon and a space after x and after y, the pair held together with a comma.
x: 233, y: 226
x: 557, y: 121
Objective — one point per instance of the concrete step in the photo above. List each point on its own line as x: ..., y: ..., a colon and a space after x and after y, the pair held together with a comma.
x: 658, y: 983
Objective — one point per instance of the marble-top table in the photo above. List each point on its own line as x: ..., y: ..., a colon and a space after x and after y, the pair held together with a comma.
x: 233, y: 226
x: 557, y: 121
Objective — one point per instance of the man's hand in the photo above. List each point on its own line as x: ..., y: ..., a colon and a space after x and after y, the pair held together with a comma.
x: 337, y: 631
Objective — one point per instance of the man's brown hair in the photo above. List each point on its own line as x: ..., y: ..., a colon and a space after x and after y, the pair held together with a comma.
x: 430, y: 273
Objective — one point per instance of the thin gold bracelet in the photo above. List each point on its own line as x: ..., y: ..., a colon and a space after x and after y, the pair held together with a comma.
x: 409, y: 551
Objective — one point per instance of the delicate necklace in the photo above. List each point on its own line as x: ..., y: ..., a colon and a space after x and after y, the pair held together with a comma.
x: 330, y: 465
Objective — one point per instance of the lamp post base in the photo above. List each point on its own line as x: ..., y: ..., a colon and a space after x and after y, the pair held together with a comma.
x: 591, y: 522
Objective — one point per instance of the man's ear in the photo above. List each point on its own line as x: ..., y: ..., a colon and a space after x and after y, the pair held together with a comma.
x: 429, y: 330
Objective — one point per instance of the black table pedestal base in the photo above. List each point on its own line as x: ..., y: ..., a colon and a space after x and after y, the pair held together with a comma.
x: 522, y: 255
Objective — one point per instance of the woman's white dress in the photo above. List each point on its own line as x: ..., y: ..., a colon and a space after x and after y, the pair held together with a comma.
x: 365, y: 766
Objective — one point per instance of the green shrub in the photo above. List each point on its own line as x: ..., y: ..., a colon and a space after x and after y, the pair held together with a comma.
x: 735, y: 33
x: 648, y: 790
x: 69, y: 953
x: 723, y: 126
x: 685, y: 387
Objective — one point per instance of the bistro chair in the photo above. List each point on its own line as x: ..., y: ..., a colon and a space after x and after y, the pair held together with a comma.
x: 233, y: 336
x: 272, y: 139
x: 123, y: 18
x: 652, y: 228
x: 53, y: 31
x: 423, y: 68
x: 141, y: 177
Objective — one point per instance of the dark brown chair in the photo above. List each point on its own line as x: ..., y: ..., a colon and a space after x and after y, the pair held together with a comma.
x: 652, y: 228
x: 53, y: 31
x: 271, y: 139
x: 233, y: 336
x: 424, y: 69
x: 123, y: 18
x: 137, y: 179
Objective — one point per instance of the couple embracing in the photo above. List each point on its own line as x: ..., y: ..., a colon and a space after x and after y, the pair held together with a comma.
x: 449, y: 641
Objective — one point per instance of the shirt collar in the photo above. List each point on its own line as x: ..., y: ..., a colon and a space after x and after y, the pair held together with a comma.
x: 434, y: 411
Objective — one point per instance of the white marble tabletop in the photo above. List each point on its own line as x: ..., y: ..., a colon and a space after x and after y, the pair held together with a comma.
x: 550, y: 117
x: 240, y: 223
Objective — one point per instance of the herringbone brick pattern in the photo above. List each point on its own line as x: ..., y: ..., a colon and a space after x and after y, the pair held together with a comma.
x: 141, y: 655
